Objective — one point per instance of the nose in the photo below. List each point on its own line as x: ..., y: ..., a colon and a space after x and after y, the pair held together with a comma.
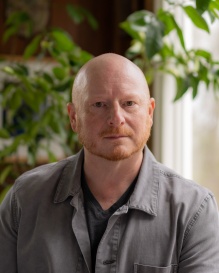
x: 116, y: 116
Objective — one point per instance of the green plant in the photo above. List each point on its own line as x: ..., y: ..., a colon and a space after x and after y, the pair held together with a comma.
x: 154, y: 48
x: 34, y: 100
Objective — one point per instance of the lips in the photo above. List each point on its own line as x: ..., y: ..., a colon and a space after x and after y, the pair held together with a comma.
x: 115, y: 136
x: 116, y: 133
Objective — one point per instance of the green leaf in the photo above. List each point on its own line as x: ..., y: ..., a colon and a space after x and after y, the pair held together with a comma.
x: 21, y: 70
x: 128, y: 28
x: 4, y: 133
x: 51, y: 156
x: 4, y: 174
x: 47, y: 77
x: 180, y: 34
x: 75, y: 13
x: 203, y: 73
x: 20, y: 21
x: 167, y: 19
x: 212, y: 15
x: 92, y: 22
x: 10, y: 149
x: 43, y: 85
x: 16, y: 18
x: 138, y: 23
x: 62, y: 40
x: 214, y: 5
x: 203, y: 53
x: 31, y: 154
x: 171, y: 24
x: 16, y: 70
x: 31, y: 49
x: 78, y: 58
x: 202, y: 5
x: 16, y: 100
x: 4, y: 192
x: 9, y: 70
x: 63, y: 86
x: 196, y: 18
x: 140, y: 20
x: 154, y: 38
x: 91, y: 19
x: 213, y: 10
x: 194, y: 84
x: 9, y: 32
x: 78, y: 14
x: 59, y: 72
x: 182, y: 86
x: 167, y: 51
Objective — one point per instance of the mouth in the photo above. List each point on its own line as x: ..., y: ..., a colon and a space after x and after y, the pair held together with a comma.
x: 115, y: 136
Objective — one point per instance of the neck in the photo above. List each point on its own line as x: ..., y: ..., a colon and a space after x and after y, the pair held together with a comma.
x: 108, y: 180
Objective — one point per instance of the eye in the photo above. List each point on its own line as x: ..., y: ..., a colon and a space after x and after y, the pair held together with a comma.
x: 129, y: 103
x: 98, y: 104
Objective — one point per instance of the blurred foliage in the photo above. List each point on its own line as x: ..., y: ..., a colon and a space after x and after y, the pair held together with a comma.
x: 158, y: 44
x: 34, y: 100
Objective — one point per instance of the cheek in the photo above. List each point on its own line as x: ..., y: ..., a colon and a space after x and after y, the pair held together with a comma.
x: 141, y: 118
x: 87, y: 124
x: 141, y: 125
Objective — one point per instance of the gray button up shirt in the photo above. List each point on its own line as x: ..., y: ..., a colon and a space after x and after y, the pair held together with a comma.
x: 169, y: 224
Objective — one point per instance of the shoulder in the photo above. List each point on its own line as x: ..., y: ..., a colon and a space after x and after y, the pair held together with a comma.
x: 41, y: 174
x: 164, y: 190
x: 179, y: 185
x: 172, y: 184
x: 189, y: 199
x: 45, y: 178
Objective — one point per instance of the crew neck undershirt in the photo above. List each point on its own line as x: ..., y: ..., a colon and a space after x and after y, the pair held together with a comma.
x: 97, y: 218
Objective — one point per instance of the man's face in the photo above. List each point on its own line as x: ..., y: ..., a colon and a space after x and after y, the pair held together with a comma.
x: 114, y: 117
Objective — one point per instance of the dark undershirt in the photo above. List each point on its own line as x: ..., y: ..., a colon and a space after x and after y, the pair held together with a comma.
x: 97, y: 218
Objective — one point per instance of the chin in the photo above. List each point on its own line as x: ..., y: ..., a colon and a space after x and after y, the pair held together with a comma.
x: 118, y: 154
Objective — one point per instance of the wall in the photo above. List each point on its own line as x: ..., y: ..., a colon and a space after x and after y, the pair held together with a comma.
x: 109, y: 13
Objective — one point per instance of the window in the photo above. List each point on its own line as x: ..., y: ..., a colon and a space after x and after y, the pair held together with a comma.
x: 186, y: 133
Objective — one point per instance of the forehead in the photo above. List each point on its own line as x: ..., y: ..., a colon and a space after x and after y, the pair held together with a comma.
x: 105, y: 78
x: 121, y: 82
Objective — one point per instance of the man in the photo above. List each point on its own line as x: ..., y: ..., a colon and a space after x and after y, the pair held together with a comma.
x: 112, y: 207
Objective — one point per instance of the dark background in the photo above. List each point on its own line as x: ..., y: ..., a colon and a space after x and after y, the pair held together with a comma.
x: 107, y: 38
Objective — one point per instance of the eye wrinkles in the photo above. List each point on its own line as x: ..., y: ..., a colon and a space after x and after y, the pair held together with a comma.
x: 100, y: 104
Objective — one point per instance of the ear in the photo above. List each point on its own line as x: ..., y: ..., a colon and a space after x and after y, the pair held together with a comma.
x: 72, y: 116
x: 151, y: 109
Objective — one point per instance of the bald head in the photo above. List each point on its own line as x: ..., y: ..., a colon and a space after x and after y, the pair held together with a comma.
x: 112, y: 111
x: 103, y: 68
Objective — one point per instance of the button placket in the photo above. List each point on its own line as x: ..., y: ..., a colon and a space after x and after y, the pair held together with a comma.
x: 106, y: 262
x: 108, y: 247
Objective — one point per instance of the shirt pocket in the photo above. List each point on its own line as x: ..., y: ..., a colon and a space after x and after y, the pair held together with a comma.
x: 140, y: 268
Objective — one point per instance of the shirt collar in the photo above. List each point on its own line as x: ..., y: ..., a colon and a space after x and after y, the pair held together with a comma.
x: 70, y: 180
x: 144, y: 196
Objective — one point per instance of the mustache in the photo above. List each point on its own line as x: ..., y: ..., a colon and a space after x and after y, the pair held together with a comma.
x: 116, y: 131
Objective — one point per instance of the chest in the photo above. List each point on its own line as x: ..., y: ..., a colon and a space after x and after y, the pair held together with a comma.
x: 132, y: 242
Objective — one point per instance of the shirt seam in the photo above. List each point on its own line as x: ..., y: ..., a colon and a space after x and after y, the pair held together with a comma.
x: 168, y: 174
x: 18, y: 185
x: 14, y: 211
x: 196, y: 216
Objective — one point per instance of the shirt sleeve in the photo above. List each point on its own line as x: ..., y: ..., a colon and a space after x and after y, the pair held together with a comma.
x: 200, y: 250
x: 8, y: 234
